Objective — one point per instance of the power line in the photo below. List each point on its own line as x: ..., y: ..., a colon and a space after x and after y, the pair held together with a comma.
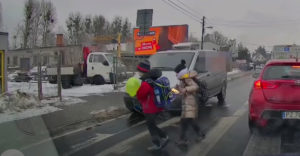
x: 182, y: 11
x: 187, y: 6
x: 182, y: 8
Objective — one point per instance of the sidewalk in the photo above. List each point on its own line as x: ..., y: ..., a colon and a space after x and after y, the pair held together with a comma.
x: 78, y: 115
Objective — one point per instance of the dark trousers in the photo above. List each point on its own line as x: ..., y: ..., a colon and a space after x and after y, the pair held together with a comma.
x: 155, y: 132
x: 185, y: 124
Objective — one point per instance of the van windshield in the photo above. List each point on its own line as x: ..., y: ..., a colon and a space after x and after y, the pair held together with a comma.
x: 168, y: 61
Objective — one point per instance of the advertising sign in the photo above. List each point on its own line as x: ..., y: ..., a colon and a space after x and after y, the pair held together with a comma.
x: 159, y: 38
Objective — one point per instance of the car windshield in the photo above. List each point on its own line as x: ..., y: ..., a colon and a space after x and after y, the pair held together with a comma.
x: 282, y: 72
x: 168, y: 61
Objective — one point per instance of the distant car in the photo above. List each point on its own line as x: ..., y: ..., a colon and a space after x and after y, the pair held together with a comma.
x: 274, y: 97
x: 22, y: 77
x: 211, y: 68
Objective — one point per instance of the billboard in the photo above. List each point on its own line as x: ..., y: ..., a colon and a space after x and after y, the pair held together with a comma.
x: 159, y: 38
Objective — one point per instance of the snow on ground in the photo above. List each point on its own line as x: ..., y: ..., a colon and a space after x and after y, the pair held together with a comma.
x: 87, y: 90
x: 51, y: 89
x: 234, y: 71
x: 11, y: 116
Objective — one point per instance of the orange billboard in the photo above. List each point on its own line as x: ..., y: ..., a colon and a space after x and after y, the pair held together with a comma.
x: 159, y: 38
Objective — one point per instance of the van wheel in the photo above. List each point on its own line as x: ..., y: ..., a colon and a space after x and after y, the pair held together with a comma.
x: 98, y: 80
x: 222, y: 95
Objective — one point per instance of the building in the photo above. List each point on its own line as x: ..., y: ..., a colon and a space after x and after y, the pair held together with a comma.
x: 285, y: 51
x: 196, y: 45
x: 26, y: 59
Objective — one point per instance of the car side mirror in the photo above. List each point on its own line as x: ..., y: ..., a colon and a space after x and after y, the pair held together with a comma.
x: 105, y: 63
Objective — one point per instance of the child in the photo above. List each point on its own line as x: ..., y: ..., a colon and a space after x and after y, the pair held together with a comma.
x: 188, y: 89
x: 145, y: 96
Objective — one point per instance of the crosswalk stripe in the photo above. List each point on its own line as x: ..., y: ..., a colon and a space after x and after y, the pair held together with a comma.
x: 124, y: 144
x: 216, y: 133
x: 202, y: 148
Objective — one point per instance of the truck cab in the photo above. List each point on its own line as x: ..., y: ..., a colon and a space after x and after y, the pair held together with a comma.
x: 100, y: 67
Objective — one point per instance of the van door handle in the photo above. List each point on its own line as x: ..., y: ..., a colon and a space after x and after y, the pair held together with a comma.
x: 92, y: 68
x: 208, y: 75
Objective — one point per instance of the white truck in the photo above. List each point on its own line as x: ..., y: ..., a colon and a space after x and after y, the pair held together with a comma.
x: 79, y: 67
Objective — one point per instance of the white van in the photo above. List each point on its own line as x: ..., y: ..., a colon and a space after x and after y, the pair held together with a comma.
x: 100, y: 68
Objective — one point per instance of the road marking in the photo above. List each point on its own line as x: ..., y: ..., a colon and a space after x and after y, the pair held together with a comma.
x: 90, y: 141
x: 263, y: 145
x: 123, y: 145
x: 98, y: 138
x: 216, y: 133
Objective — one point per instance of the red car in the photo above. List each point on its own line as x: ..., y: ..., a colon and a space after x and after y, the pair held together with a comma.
x: 275, y: 95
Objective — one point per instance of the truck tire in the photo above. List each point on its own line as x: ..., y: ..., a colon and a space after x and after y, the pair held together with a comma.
x: 98, y: 80
x: 222, y: 95
x: 66, y: 82
x: 77, y: 80
x: 203, y: 95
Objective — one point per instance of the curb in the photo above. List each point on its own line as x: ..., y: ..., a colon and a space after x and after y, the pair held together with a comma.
x: 238, y: 75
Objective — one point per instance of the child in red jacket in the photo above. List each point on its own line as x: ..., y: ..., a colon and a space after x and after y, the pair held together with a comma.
x: 145, y: 96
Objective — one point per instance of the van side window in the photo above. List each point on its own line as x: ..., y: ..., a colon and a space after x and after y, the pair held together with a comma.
x: 98, y: 59
x: 200, y: 65
x: 91, y: 58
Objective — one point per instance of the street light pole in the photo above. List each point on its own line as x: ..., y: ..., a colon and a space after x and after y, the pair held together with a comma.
x: 203, y: 31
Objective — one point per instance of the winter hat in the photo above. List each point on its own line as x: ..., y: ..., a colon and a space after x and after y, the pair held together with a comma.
x: 184, y: 73
x: 144, y: 66
x: 180, y: 67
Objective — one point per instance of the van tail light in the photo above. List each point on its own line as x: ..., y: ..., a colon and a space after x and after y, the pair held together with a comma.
x: 258, y: 84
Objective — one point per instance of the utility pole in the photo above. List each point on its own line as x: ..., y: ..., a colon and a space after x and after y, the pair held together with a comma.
x: 203, y: 31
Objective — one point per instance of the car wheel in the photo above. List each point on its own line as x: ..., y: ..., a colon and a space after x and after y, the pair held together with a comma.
x: 98, y: 80
x: 222, y: 95
x: 251, y: 125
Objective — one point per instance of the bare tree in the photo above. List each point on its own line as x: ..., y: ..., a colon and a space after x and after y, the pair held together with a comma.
x: 35, y: 25
x: 28, y: 12
x: 75, y: 26
x: 116, y: 26
x: 48, y: 17
x: 99, y: 25
x: 126, y: 30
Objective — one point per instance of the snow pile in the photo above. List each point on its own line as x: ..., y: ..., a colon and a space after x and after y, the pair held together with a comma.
x: 110, y: 113
x: 11, y: 116
x: 32, y: 88
x: 17, y: 101
x: 51, y: 89
x: 234, y: 71
x: 87, y: 90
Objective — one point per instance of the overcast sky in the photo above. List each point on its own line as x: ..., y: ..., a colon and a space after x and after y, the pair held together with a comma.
x: 253, y: 22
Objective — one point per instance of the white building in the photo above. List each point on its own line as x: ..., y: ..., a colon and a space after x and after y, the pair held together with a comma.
x: 285, y: 51
x: 196, y: 45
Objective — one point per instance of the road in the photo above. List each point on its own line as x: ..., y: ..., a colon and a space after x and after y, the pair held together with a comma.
x: 128, y: 135
x: 225, y: 127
